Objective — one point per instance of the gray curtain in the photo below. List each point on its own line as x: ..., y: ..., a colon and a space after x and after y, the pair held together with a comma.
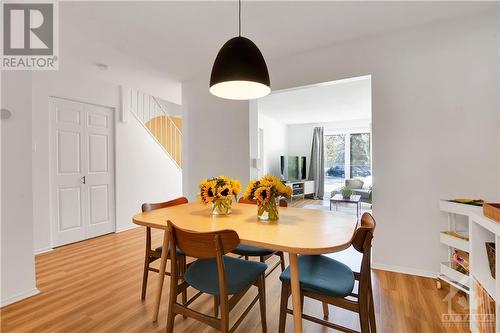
x: 317, y: 167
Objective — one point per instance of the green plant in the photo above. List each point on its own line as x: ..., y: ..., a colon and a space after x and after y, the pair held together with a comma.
x: 346, y: 191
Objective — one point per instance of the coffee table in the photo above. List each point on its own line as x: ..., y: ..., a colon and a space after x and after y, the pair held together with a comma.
x: 352, y: 199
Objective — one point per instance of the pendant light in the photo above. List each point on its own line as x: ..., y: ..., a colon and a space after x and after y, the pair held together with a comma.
x: 239, y: 71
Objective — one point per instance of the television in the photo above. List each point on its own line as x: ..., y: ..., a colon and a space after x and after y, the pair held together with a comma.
x: 293, y: 168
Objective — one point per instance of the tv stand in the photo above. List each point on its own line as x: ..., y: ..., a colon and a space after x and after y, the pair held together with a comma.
x: 301, y: 188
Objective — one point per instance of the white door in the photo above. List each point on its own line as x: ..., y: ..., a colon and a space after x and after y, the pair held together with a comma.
x: 82, y: 166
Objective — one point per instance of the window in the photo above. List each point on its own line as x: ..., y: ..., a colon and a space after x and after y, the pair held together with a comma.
x: 346, y: 156
x: 360, y: 155
x: 335, y: 158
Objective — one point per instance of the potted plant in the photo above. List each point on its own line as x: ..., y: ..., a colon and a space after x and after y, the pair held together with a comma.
x: 346, y: 192
x: 219, y: 191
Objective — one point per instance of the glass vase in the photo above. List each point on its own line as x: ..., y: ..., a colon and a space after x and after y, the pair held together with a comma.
x: 222, y: 206
x: 268, y: 211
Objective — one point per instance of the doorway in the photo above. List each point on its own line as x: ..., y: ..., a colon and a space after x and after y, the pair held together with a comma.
x: 343, y: 109
x: 82, y: 171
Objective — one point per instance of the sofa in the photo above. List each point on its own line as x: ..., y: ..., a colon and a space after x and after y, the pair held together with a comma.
x: 357, y: 186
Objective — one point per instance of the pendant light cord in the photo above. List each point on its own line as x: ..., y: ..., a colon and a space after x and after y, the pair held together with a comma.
x: 239, y: 18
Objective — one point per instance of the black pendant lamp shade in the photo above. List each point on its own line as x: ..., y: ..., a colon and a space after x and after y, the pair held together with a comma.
x: 239, y: 71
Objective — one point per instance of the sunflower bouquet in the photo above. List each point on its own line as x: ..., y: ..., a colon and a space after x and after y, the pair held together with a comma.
x: 219, y: 192
x: 266, y: 192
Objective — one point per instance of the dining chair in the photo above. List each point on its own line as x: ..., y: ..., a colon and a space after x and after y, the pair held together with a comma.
x: 215, y: 274
x: 263, y: 254
x: 155, y: 254
x: 331, y: 282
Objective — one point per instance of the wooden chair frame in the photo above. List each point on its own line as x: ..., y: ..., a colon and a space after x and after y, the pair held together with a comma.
x: 151, y: 255
x: 281, y: 262
x: 362, y: 303
x: 201, y: 245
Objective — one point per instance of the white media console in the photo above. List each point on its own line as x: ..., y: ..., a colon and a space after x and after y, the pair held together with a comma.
x: 301, y: 188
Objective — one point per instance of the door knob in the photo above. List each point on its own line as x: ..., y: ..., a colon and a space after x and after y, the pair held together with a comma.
x: 83, y: 180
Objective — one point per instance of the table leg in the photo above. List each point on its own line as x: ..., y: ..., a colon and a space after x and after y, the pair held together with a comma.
x: 161, y: 274
x: 296, y: 299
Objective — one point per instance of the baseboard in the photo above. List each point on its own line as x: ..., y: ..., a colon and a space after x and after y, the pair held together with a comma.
x: 19, y: 297
x: 43, y: 250
x: 405, y: 270
x: 132, y: 226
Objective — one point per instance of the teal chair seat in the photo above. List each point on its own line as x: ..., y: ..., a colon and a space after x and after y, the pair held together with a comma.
x: 251, y: 251
x: 179, y: 251
x: 202, y: 274
x: 323, y: 275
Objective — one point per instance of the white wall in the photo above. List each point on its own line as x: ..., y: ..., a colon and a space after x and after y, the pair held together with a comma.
x: 435, y: 126
x: 275, y: 143
x: 17, y: 260
x: 141, y: 167
x: 144, y: 172
x: 215, y: 136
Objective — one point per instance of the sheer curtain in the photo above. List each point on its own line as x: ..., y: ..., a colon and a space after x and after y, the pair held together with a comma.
x: 317, y: 168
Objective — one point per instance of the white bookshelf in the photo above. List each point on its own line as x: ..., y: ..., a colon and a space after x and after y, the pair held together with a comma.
x: 447, y: 272
x: 482, y: 230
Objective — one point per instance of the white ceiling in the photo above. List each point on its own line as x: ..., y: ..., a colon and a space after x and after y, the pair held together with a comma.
x: 180, y: 39
x: 342, y: 100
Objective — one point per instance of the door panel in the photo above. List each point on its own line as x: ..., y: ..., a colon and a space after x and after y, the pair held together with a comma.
x: 68, y: 199
x: 100, y: 166
x: 69, y: 113
x: 98, y: 153
x: 68, y: 152
x: 83, y: 171
x: 97, y: 120
x: 69, y: 207
x: 99, y: 204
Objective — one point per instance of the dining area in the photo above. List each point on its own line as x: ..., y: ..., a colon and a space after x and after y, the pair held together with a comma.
x: 224, y: 246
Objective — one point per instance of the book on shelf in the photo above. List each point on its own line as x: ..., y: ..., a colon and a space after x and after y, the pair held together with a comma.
x: 458, y: 234
x: 461, y: 260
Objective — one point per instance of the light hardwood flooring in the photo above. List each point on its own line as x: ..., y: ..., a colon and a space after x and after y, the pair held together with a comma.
x: 95, y: 286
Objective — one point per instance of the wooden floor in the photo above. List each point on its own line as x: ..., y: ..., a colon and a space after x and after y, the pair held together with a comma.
x: 94, y: 286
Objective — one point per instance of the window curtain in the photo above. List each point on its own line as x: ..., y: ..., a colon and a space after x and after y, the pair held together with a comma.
x: 317, y: 167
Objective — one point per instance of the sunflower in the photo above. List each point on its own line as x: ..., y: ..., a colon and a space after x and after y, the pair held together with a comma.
x: 262, y: 194
x: 248, y: 194
x: 203, y: 183
x: 208, y: 191
x: 283, y: 189
x: 269, y: 180
x: 287, y: 190
x: 224, y: 191
x: 236, y: 185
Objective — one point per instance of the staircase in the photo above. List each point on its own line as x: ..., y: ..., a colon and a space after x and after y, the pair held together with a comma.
x: 163, y: 127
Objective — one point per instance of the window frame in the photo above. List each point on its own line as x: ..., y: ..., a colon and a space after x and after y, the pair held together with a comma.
x: 347, y: 146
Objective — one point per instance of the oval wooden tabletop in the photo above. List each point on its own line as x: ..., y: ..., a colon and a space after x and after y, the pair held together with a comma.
x: 298, y: 230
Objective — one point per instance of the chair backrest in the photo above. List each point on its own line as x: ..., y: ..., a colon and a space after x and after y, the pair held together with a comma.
x: 203, y: 245
x: 363, y: 235
x: 354, y: 183
x: 283, y: 202
x: 146, y: 207
x: 362, y: 242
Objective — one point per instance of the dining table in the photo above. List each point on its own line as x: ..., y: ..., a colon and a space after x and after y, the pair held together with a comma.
x: 298, y: 231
